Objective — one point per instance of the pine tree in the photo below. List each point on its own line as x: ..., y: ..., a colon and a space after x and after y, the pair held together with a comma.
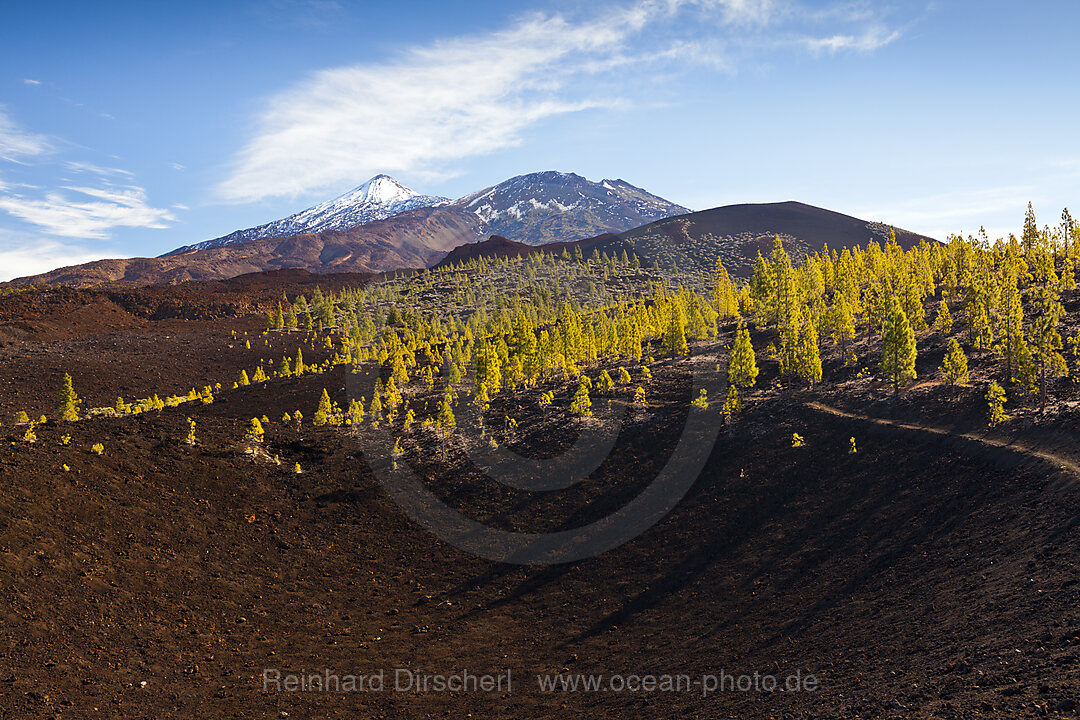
x: 732, y: 404
x: 399, y: 373
x: 842, y: 326
x: 639, y: 398
x: 725, y: 298
x: 674, y: 344
x: 787, y: 296
x: 355, y: 412
x: 807, y: 353
x: 255, y: 434
x: 1068, y: 276
x: 944, y: 322
x: 762, y: 290
x: 68, y: 401
x: 624, y: 377
x: 243, y: 378
x: 1031, y: 231
x: 482, y: 400
x: 995, y: 399
x: 445, y: 421
x: 955, y: 365
x: 604, y: 383
x: 1045, y: 338
x: 391, y: 399
x: 322, y: 413
x: 898, y: 351
x: 1012, y: 345
x: 375, y: 409
x: 581, y: 404
x: 742, y: 368
x: 911, y: 300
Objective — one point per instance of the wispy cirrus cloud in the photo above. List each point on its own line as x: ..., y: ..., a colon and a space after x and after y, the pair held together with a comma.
x: 867, y: 41
x: 469, y: 96
x: 86, y: 211
x: 18, y: 144
x: 87, y: 167
x: 58, y: 213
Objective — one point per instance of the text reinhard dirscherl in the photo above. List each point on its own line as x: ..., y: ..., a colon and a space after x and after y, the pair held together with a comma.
x: 407, y: 680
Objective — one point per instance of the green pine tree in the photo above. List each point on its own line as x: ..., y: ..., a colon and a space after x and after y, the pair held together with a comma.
x: 674, y: 344
x: 898, y: 351
x: 955, y: 365
x: 325, y: 409
x: 68, y: 401
x: 995, y: 399
x: 742, y: 368
x: 581, y: 404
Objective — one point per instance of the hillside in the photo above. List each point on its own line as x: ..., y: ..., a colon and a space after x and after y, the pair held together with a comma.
x: 736, y: 233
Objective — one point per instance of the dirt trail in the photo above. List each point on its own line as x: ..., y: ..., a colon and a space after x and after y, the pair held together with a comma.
x: 1060, y: 461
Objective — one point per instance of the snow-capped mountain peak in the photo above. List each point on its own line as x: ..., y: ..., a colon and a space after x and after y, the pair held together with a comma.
x: 548, y: 206
x: 381, y: 189
x: 536, y: 208
x: 379, y: 198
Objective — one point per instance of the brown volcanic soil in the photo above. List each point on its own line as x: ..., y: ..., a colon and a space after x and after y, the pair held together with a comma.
x: 923, y: 576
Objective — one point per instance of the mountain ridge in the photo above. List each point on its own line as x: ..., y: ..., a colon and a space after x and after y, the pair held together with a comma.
x: 551, y: 206
x: 379, y: 198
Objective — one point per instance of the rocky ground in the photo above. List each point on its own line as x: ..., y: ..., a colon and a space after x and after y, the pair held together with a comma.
x: 926, y: 575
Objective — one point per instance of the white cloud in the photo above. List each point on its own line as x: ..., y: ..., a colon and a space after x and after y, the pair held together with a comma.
x: 473, y: 95
x: 57, y: 214
x: 81, y: 167
x: 455, y: 99
x: 177, y: 166
x: 754, y: 12
x: 31, y: 81
x: 868, y: 41
x: 21, y: 255
x: 16, y: 143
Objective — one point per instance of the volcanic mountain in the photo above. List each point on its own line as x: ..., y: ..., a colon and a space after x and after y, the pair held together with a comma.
x: 383, y: 225
x: 736, y: 233
x: 379, y: 198
x: 550, y: 206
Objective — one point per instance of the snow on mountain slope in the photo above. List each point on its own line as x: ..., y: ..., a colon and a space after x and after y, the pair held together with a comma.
x: 379, y: 198
x: 550, y: 206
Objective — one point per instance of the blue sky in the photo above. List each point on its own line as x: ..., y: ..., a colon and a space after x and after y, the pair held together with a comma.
x: 133, y: 128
